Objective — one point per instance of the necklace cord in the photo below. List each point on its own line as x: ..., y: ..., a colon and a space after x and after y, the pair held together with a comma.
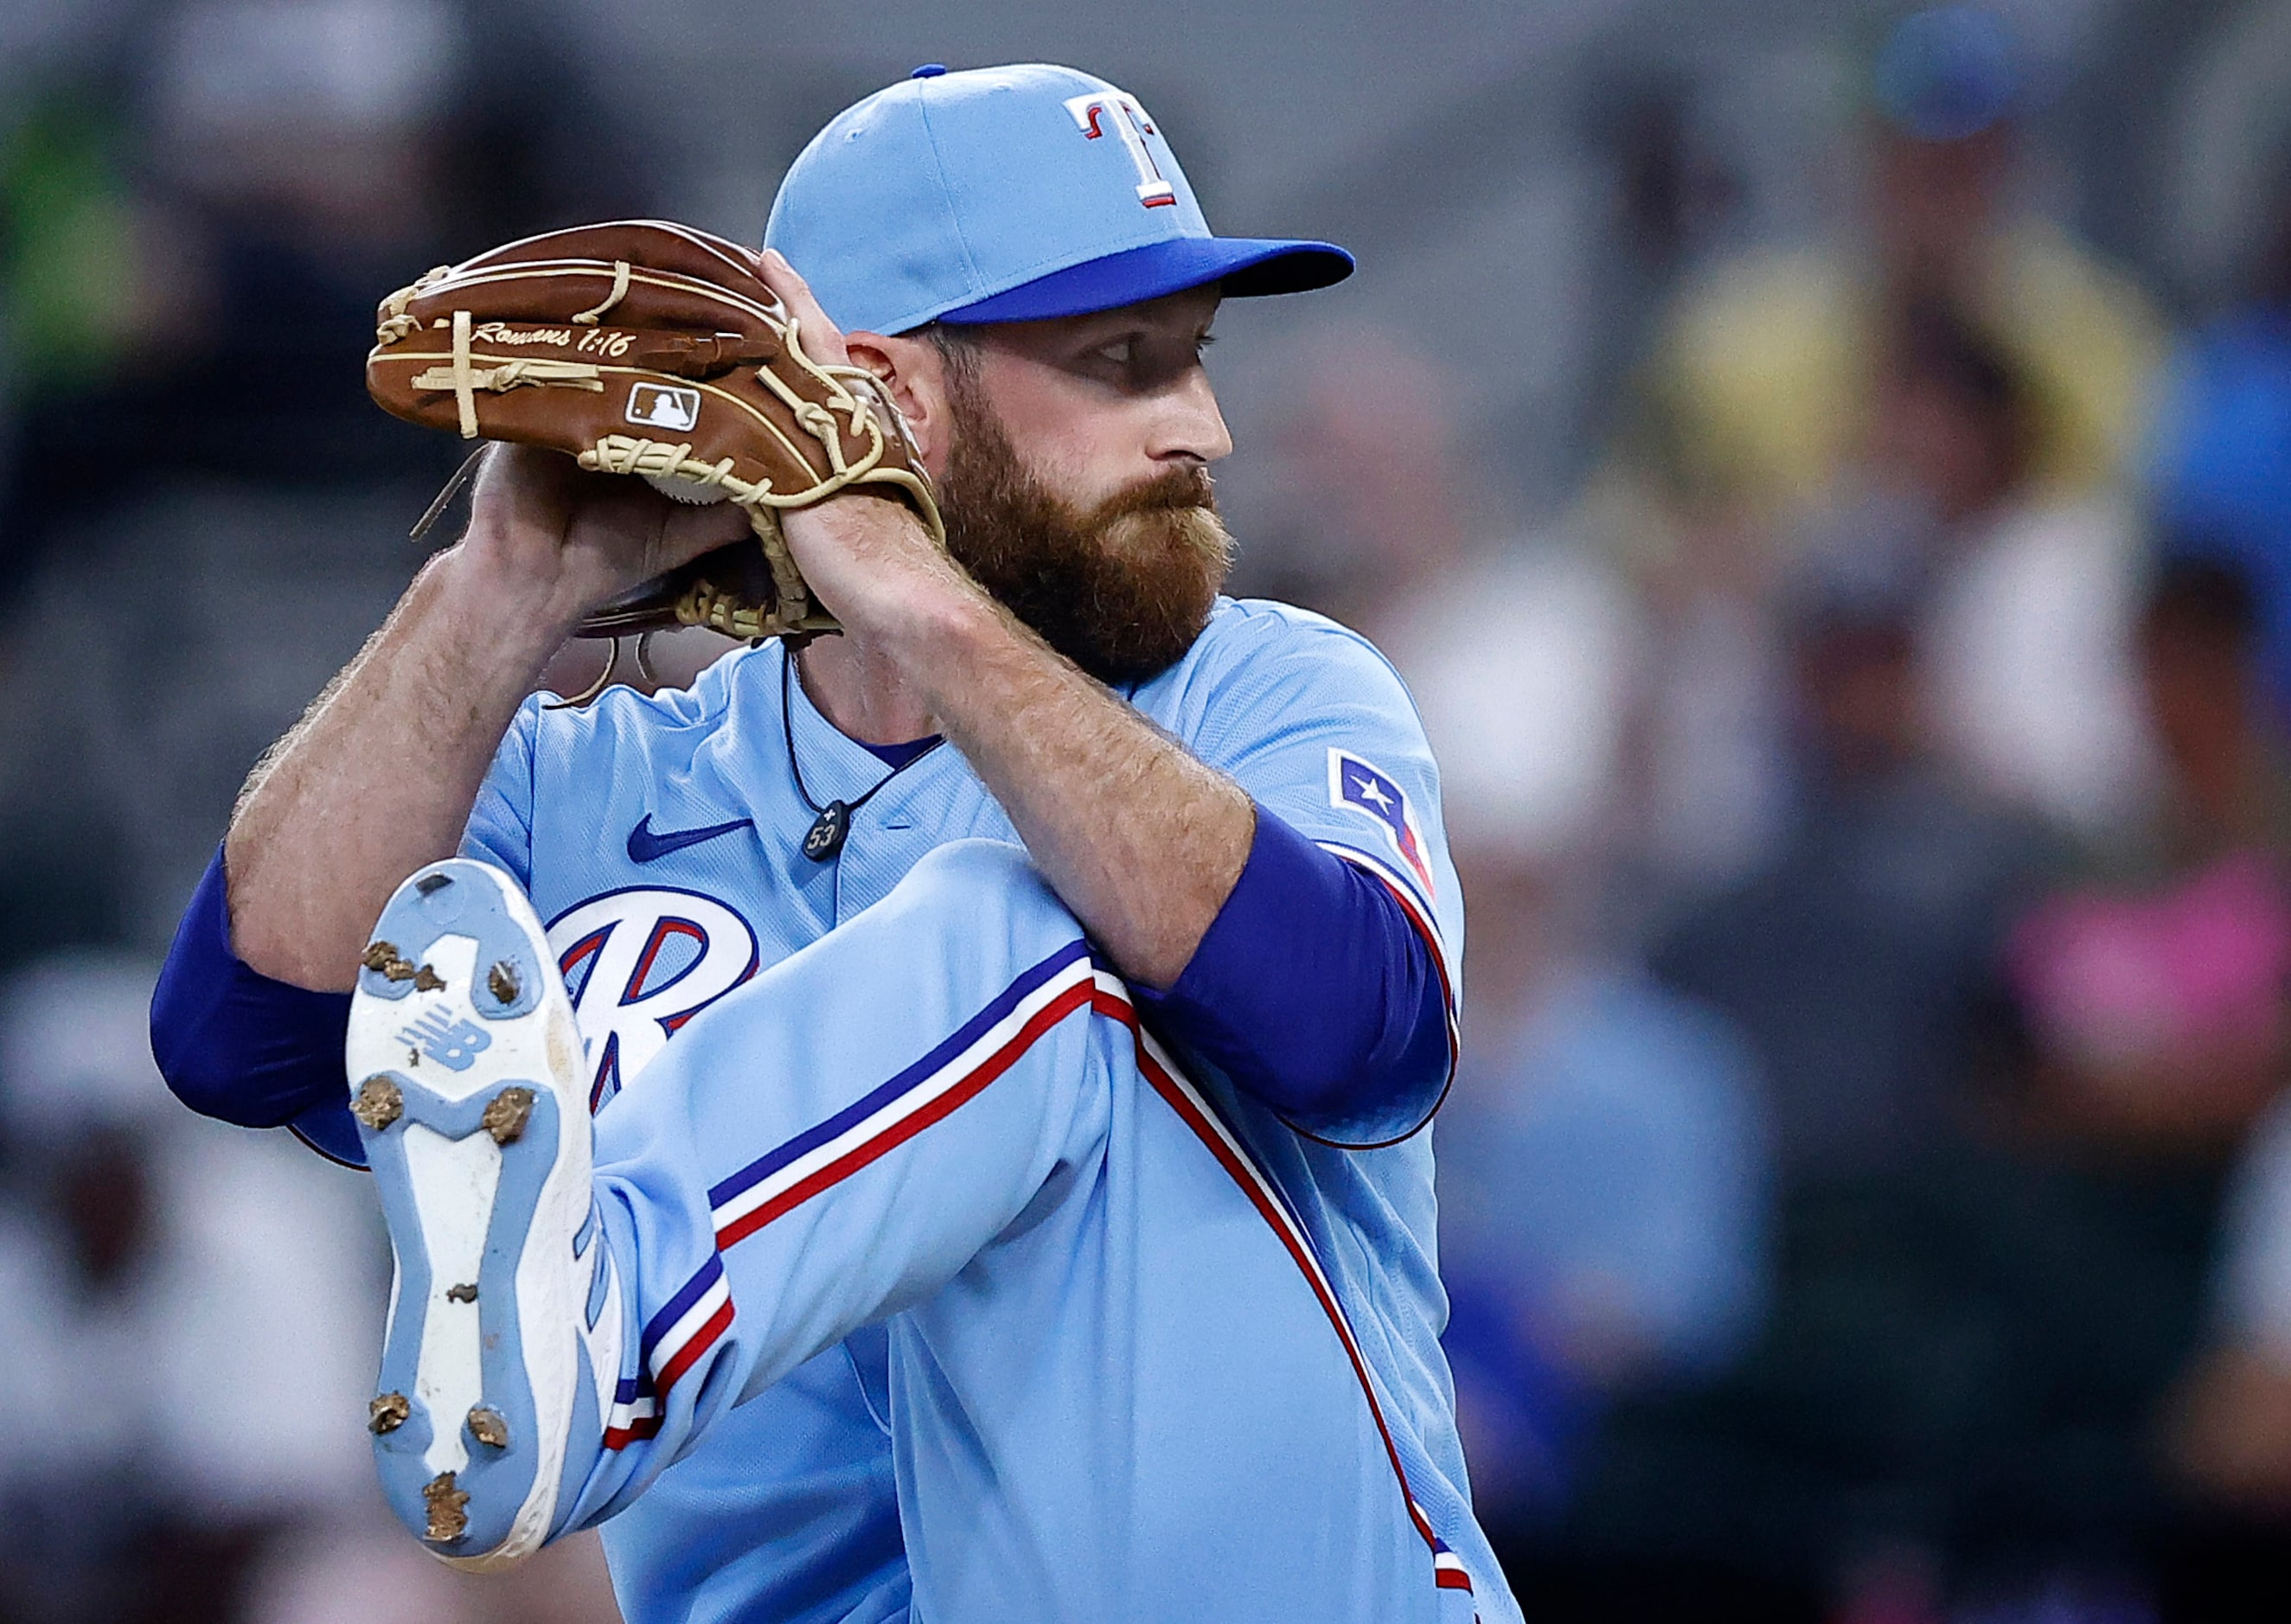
x: 795, y: 766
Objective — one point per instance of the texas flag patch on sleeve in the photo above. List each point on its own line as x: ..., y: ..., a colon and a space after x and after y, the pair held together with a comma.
x: 1355, y: 785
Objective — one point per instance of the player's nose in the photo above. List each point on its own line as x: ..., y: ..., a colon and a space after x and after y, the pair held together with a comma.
x: 1191, y: 426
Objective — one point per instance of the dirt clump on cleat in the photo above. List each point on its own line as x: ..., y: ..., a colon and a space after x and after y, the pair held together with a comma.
x: 500, y: 981
x: 467, y: 1293
x: 387, y: 1413
x: 487, y: 1428
x: 448, y: 1518
x: 507, y: 1115
x: 377, y: 1104
x: 385, y: 960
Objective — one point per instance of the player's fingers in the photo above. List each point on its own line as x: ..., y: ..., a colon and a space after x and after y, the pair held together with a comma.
x: 688, y: 531
x: 822, y: 339
x: 622, y: 511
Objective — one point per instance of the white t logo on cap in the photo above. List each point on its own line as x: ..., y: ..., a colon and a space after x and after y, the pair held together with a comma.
x: 1131, y: 125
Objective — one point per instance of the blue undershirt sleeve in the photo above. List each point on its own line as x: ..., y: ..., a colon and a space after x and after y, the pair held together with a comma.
x: 235, y: 1044
x: 1315, y: 993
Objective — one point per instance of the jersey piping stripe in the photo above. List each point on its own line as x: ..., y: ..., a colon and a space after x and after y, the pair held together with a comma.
x: 1448, y: 1570
x: 686, y: 1327
x: 980, y: 1051
x: 956, y: 1069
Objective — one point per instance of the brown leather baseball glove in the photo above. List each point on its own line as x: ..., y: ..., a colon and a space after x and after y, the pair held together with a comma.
x: 639, y: 347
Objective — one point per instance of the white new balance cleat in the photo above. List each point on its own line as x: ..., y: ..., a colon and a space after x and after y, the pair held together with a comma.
x: 466, y: 1079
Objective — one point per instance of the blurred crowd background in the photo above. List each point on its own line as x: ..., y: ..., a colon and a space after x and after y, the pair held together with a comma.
x: 1824, y: 470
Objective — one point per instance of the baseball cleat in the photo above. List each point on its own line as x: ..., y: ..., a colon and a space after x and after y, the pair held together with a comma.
x: 466, y: 1084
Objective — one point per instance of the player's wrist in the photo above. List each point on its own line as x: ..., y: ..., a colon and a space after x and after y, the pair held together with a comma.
x: 871, y: 561
x: 529, y: 610
x: 931, y: 621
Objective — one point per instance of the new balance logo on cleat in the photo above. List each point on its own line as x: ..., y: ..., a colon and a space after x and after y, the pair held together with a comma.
x: 451, y: 1043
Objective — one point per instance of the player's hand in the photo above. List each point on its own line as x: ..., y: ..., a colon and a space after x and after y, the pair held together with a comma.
x: 558, y: 541
x: 868, y: 557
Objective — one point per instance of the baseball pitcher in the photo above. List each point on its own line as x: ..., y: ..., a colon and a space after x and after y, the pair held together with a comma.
x: 932, y: 1120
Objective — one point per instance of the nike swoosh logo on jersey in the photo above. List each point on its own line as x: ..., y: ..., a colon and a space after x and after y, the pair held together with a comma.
x: 645, y: 846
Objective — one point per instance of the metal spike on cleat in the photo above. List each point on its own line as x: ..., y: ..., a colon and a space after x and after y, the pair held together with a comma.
x: 500, y: 981
x: 387, y: 1413
x: 385, y: 961
x: 448, y: 1518
x: 488, y: 1428
x: 378, y: 1103
x: 506, y: 1116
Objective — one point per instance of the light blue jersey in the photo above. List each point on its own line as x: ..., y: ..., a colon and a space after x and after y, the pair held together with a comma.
x: 661, y: 839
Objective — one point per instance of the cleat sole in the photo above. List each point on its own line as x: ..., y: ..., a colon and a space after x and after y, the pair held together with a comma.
x: 481, y: 1158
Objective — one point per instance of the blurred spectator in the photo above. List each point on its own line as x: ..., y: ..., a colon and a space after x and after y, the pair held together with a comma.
x: 193, y: 284
x: 1709, y: 760
x: 2015, y: 603
x: 163, y: 648
x: 1828, y: 1471
x: 1522, y: 663
x: 1604, y: 1209
x: 1521, y: 652
x: 187, y: 1314
x: 1860, y: 959
x: 180, y: 1311
x: 2158, y: 988
x: 2222, y: 474
x: 2234, y: 1434
x: 2016, y: 596
x: 1977, y: 1318
x: 2230, y: 1435
x: 2024, y: 640
x: 1762, y: 386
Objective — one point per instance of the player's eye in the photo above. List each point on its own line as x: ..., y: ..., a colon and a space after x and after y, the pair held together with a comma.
x: 1144, y: 360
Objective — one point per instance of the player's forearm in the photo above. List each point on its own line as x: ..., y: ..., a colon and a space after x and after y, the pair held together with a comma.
x: 379, y: 777
x: 1142, y: 840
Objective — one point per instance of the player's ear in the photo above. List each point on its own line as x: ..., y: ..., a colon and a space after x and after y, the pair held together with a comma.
x: 914, y: 375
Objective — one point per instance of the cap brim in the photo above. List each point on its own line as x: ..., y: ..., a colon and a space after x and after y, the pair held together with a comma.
x: 1244, y: 266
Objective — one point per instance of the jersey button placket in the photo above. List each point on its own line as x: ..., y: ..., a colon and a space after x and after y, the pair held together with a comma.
x: 886, y: 841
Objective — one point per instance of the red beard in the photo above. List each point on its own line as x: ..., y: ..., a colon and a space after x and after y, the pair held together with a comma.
x: 1122, y: 589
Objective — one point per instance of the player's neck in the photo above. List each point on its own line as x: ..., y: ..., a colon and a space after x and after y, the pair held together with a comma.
x: 862, y: 692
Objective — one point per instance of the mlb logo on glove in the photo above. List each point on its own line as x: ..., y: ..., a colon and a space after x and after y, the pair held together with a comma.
x: 658, y: 406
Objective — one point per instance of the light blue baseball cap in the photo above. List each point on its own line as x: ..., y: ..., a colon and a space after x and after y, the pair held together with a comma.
x: 1010, y: 194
